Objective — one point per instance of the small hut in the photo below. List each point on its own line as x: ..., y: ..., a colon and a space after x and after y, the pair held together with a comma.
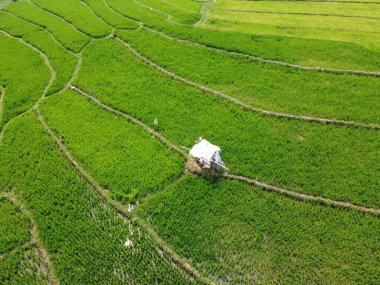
x: 207, y: 155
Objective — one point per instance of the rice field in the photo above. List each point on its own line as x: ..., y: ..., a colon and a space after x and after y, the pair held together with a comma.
x: 99, y: 100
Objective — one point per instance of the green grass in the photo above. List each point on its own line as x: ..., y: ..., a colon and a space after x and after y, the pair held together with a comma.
x: 121, y: 156
x: 115, y: 20
x: 83, y: 237
x: 233, y: 232
x: 264, y: 85
x: 24, y: 74
x: 14, y: 227
x: 306, y: 157
x: 61, y: 60
x: 77, y: 14
x: 63, y: 32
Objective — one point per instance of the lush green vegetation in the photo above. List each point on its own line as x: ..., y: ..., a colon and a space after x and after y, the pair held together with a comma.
x: 55, y: 226
x: 84, y: 238
x: 62, y: 31
x: 61, y: 60
x: 76, y: 13
x: 239, y: 234
x: 306, y: 157
x: 24, y: 75
x: 121, y: 156
x: 274, y: 88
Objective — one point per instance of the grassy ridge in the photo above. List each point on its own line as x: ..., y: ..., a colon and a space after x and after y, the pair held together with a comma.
x: 310, y: 158
x: 77, y: 14
x: 265, y: 86
x: 19, y: 62
x: 84, y: 238
x: 63, y: 32
x: 61, y: 60
x: 119, y: 155
x: 236, y: 233
x: 115, y: 20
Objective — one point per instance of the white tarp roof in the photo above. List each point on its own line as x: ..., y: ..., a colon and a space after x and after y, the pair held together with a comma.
x: 204, y: 149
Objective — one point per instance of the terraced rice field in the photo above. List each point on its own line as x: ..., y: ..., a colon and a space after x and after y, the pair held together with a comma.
x: 98, y: 96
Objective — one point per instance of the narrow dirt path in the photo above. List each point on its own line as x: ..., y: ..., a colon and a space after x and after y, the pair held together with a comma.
x: 242, y: 104
x: 118, y: 207
x: 45, y: 263
x: 304, y: 197
x: 286, y: 192
x: 51, y: 80
x: 269, y: 61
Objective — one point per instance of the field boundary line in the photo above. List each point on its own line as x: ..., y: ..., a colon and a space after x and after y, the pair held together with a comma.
x: 241, y: 104
x: 303, y: 197
x: 51, y: 80
x: 268, y: 61
x: 119, y: 208
x: 35, y: 241
x: 297, y: 13
x: 270, y: 188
